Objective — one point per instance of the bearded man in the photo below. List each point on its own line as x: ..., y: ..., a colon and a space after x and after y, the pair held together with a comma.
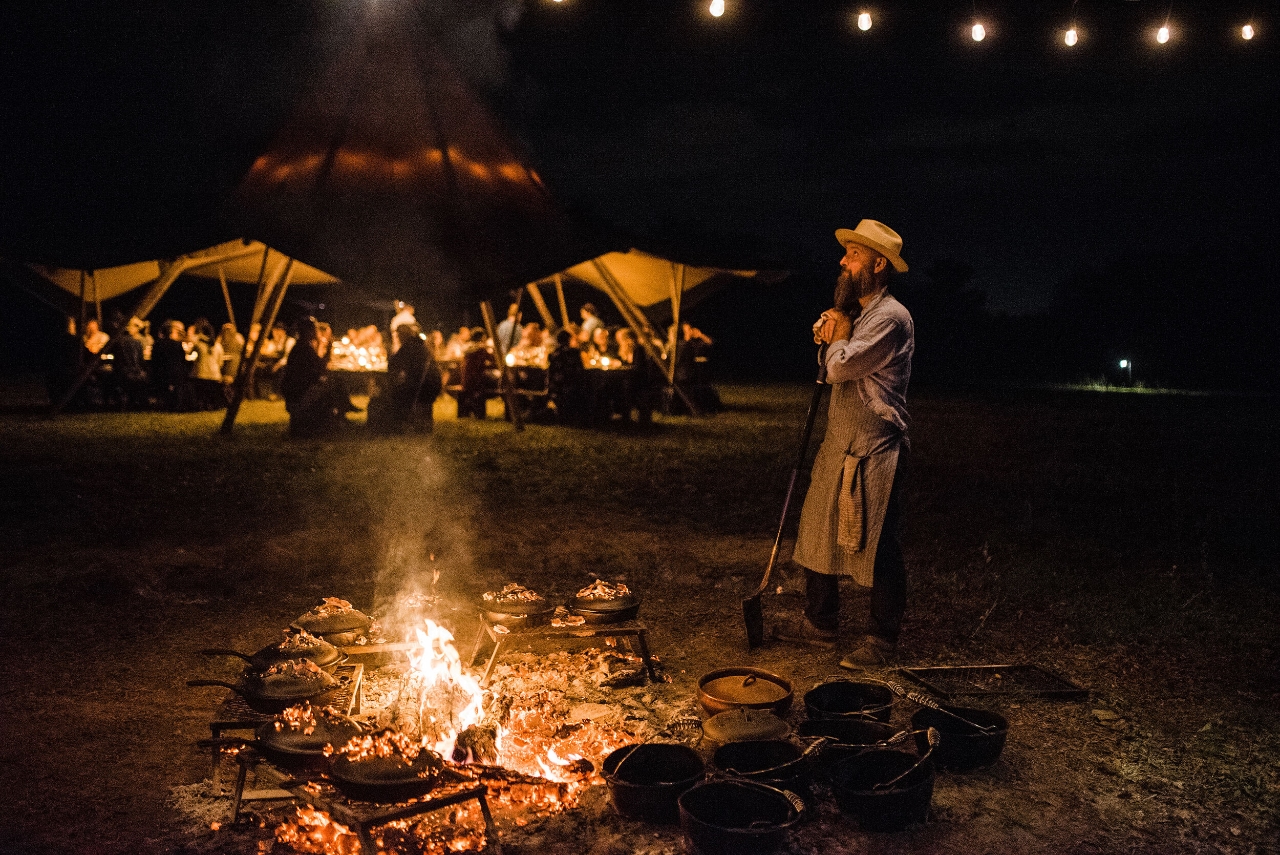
x: 849, y: 525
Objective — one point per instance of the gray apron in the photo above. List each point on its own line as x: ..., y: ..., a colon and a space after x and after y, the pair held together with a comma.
x: 844, y: 509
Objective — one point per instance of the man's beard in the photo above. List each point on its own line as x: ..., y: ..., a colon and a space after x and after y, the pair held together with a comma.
x: 849, y: 289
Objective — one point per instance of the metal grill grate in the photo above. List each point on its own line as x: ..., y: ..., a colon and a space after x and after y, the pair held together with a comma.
x: 952, y: 681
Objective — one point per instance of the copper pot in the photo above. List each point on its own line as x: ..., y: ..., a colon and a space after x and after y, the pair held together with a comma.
x: 754, y: 688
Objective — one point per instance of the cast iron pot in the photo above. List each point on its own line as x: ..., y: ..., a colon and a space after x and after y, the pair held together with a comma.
x: 340, y: 629
x: 854, y: 783
x: 522, y: 614
x: 963, y: 746
x: 847, y: 699
x: 647, y: 785
x: 845, y: 737
x: 385, y: 779
x: 738, y: 817
x: 726, y: 688
x: 601, y: 611
x: 271, y: 693
x: 325, y: 655
x: 298, y: 751
x: 775, y: 762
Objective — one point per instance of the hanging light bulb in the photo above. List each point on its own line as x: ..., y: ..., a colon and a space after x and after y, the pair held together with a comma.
x: 1071, y: 37
x: 717, y: 8
x: 1246, y: 32
x: 864, y: 21
x: 1162, y: 34
x: 979, y: 32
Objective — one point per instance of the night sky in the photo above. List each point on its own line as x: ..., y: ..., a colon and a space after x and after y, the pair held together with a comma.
x: 747, y: 138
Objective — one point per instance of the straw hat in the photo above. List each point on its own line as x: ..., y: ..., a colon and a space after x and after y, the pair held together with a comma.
x: 876, y: 235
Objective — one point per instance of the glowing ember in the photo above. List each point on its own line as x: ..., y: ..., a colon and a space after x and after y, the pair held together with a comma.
x: 448, y: 698
x: 315, y: 831
x: 384, y: 744
x: 304, y: 717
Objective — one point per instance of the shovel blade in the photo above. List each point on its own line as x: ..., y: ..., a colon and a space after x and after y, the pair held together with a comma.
x: 753, y: 616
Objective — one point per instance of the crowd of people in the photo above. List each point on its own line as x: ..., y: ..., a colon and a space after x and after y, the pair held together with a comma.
x: 583, y: 374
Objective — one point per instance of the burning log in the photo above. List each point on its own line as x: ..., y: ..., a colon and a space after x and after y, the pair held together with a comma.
x: 477, y: 744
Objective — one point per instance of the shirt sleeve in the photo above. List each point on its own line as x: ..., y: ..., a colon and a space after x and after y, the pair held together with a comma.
x: 870, y: 349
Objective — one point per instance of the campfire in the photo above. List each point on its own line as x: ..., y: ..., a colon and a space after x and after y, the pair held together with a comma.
x: 529, y: 738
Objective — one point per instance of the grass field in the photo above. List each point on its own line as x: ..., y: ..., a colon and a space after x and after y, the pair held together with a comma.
x: 1127, y: 541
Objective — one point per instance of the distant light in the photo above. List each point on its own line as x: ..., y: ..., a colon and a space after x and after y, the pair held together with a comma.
x: 1071, y: 37
x: 511, y: 359
x: 1162, y: 34
x: 423, y: 335
x: 1124, y: 363
x: 979, y: 32
x: 717, y: 8
x: 864, y: 22
x: 1246, y: 32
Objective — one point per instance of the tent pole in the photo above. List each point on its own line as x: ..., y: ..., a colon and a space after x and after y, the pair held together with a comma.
x: 564, y: 309
x: 541, y: 305
x: 97, y: 301
x: 248, y: 366
x: 226, y: 294
x: 508, y: 394
x: 635, y: 319
x: 673, y: 336
x: 80, y: 328
x: 157, y: 290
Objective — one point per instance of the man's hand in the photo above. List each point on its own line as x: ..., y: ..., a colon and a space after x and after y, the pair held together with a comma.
x: 834, y: 325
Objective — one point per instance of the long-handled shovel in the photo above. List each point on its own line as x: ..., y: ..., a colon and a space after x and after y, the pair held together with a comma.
x: 752, y: 606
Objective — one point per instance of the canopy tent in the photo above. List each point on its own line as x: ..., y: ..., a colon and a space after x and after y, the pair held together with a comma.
x: 393, y: 174
x: 649, y: 290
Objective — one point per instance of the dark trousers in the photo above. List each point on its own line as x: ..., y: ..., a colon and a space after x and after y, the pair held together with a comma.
x: 889, y: 577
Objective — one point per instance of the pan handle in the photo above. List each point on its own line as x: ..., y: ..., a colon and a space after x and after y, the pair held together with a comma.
x: 223, y: 683
x: 219, y: 651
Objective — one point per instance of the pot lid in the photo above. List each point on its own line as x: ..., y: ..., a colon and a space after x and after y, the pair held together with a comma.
x: 744, y: 723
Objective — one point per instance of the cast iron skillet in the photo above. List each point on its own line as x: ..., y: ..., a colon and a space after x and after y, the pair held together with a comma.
x: 271, y: 693
x: 298, y: 645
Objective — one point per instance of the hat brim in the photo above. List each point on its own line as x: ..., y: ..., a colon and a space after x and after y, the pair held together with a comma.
x: 848, y: 236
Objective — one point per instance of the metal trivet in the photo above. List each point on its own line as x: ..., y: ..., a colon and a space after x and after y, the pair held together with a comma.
x: 952, y: 681
x: 360, y: 817
x: 628, y: 630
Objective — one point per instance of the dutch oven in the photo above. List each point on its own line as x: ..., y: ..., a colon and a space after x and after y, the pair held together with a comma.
x: 597, y: 604
x: 857, y: 783
x: 512, y: 609
x: 384, y: 779
x: 337, y: 621
x: 296, y: 645
x: 844, y: 737
x: 970, y: 744
x: 646, y: 780
x: 736, y: 817
x: 297, y: 739
x: 848, y: 699
x: 283, y: 685
x: 776, y: 762
x: 753, y: 688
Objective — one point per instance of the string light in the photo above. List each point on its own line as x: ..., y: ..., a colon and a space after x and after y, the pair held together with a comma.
x: 1246, y: 32
x: 864, y: 23
x: 1162, y: 34
x: 978, y: 32
x: 717, y: 8
x: 1070, y: 37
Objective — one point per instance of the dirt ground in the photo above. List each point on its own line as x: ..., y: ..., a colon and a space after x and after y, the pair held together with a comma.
x: 1096, y: 536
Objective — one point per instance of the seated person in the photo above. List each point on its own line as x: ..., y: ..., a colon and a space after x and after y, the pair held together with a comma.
x: 391, y: 411
x: 479, y: 376
x: 170, y: 371
x: 600, y: 347
x: 128, y: 368
x: 567, y: 385
x: 316, y: 403
x: 456, y: 348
